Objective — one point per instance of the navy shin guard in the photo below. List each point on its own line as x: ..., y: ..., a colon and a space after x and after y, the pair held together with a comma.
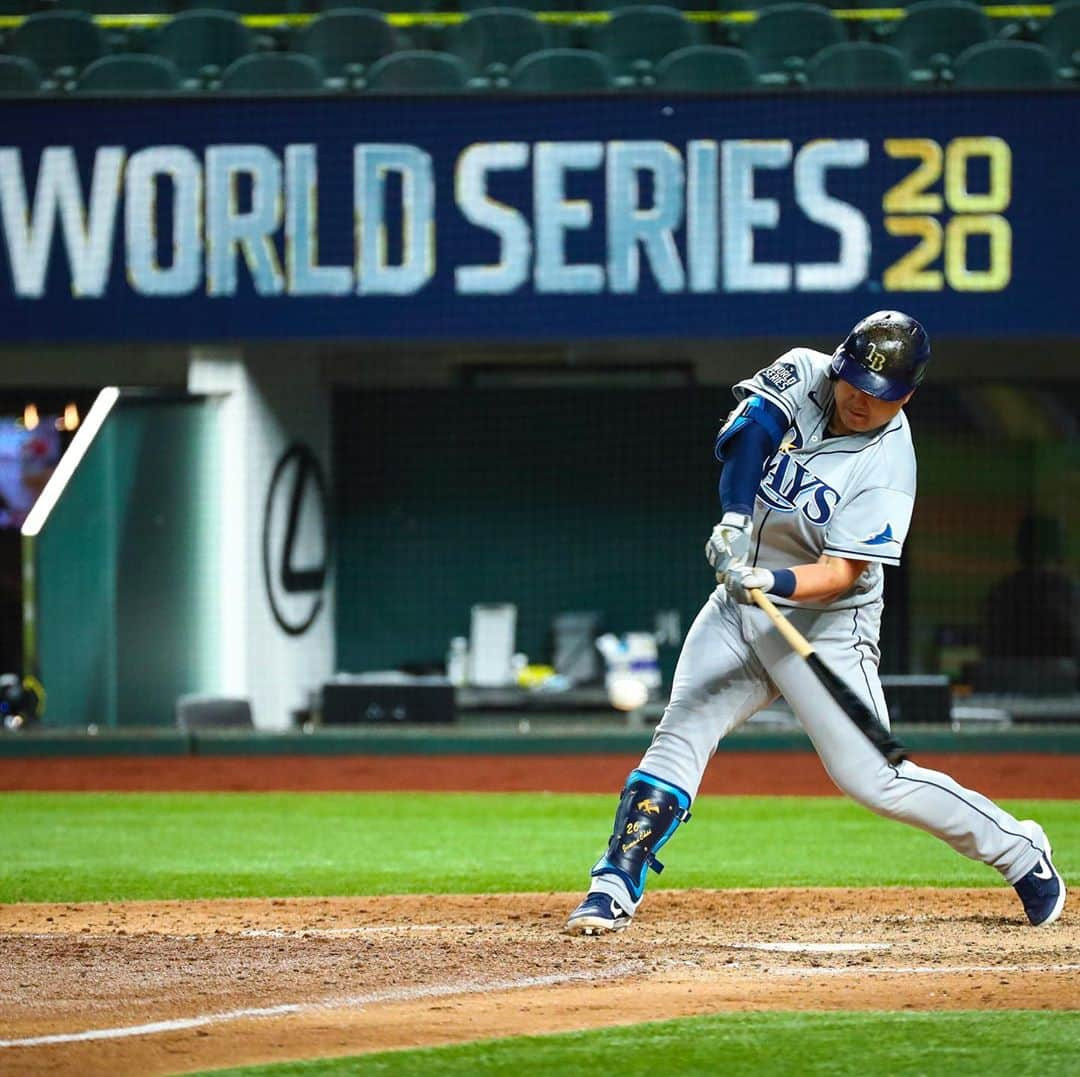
x: 649, y: 812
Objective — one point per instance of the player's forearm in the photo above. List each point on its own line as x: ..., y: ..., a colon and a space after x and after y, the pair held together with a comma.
x: 826, y: 580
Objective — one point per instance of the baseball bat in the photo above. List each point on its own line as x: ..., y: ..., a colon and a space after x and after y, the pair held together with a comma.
x: 865, y: 719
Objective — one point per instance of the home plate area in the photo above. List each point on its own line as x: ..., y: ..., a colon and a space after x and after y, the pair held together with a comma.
x: 171, y: 987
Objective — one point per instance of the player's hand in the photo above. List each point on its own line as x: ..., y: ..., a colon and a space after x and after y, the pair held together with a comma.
x: 741, y: 579
x: 729, y: 541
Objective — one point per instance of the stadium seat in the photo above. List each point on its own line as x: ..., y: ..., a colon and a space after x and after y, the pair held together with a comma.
x: 707, y: 68
x: 1005, y: 64
x: 857, y: 65
x: 933, y: 32
x: 18, y: 76
x: 418, y: 71
x: 17, y: 7
x: 1061, y: 35
x: 273, y: 72
x: 60, y: 43
x: 346, y: 42
x: 637, y: 38
x: 783, y: 38
x: 129, y: 73
x: 203, y: 43
x: 561, y: 71
x: 493, y: 39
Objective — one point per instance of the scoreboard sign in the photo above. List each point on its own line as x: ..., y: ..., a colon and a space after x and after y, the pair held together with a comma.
x: 534, y: 219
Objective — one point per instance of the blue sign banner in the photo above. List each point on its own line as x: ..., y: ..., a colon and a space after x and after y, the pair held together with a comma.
x: 529, y: 218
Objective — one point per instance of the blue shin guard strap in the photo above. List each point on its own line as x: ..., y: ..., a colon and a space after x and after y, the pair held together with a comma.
x: 650, y: 810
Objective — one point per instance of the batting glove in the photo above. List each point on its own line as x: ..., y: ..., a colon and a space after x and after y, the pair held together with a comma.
x: 741, y: 579
x: 729, y: 541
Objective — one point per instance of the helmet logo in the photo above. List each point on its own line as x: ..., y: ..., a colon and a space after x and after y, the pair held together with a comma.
x: 875, y: 359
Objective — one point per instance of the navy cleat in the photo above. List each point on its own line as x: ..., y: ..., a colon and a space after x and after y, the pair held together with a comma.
x: 596, y: 915
x: 1042, y: 890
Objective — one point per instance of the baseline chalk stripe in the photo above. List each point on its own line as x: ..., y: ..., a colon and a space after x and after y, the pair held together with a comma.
x: 916, y: 970
x: 407, y: 994
x: 810, y: 947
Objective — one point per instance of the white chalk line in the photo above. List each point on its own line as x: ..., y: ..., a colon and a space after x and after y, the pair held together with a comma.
x: 810, y: 947
x: 253, y: 932
x: 913, y: 970
x: 405, y: 994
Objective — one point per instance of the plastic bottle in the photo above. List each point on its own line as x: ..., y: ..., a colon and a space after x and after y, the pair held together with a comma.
x: 457, y: 660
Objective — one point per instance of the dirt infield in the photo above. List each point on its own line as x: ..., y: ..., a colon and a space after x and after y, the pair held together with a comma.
x: 170, y: 987
x: 249, y: 981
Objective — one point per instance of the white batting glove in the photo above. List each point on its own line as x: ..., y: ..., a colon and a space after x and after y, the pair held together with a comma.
x: 729, y: 541
x: 741, y: 579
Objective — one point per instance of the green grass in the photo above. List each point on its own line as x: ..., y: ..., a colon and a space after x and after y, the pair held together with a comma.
x: 93, y: 847
x: 840, y: 1044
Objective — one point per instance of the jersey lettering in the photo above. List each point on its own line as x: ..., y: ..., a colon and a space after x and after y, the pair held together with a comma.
x: 790, y: 487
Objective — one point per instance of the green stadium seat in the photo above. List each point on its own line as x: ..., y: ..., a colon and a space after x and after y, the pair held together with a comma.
x: 18, y: 7
x: 493, y: 39
x: 421, y: 36
x: 129, y: 73
x: 1061, y: 35
x: 707, y: 68
x: 1004, y: 65
x: 561, y: 71
x: 857, y: 65
x: 637, y: 38
x: 346, y: 42
x: 784, y: 37
x: 18, y: 76
x: 202, y: 44
x: 418, y: 71
x: 933, y: 32
x: 273, y: 72
x: 60, y: 43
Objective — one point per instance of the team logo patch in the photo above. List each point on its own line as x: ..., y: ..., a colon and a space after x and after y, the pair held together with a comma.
x: 883, y: 536
x: 781, y: 376
x: 875, y: 359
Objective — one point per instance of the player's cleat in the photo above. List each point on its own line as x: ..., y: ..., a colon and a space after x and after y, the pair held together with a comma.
x: 1042, y: 890
x: 596, y: 915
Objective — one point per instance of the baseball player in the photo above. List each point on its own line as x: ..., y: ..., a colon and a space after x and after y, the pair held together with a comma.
x: 817, y: 490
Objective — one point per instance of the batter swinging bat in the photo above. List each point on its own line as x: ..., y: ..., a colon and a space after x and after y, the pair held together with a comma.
x: 893, y: 751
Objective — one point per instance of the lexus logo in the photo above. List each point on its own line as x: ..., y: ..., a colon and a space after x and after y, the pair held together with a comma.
x: 296, y: 540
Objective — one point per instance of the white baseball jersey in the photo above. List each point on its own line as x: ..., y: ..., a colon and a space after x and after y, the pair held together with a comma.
x: 849, y: 496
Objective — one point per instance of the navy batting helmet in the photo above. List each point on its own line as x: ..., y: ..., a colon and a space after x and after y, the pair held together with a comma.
x: 885, y: 355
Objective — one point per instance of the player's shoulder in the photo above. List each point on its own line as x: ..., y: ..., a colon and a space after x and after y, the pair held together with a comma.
x: 804, y: 364
x: 891, y: 455
x: 787, y: 380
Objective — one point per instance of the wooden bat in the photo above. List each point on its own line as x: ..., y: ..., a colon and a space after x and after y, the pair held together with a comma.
x: 893, y: 751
